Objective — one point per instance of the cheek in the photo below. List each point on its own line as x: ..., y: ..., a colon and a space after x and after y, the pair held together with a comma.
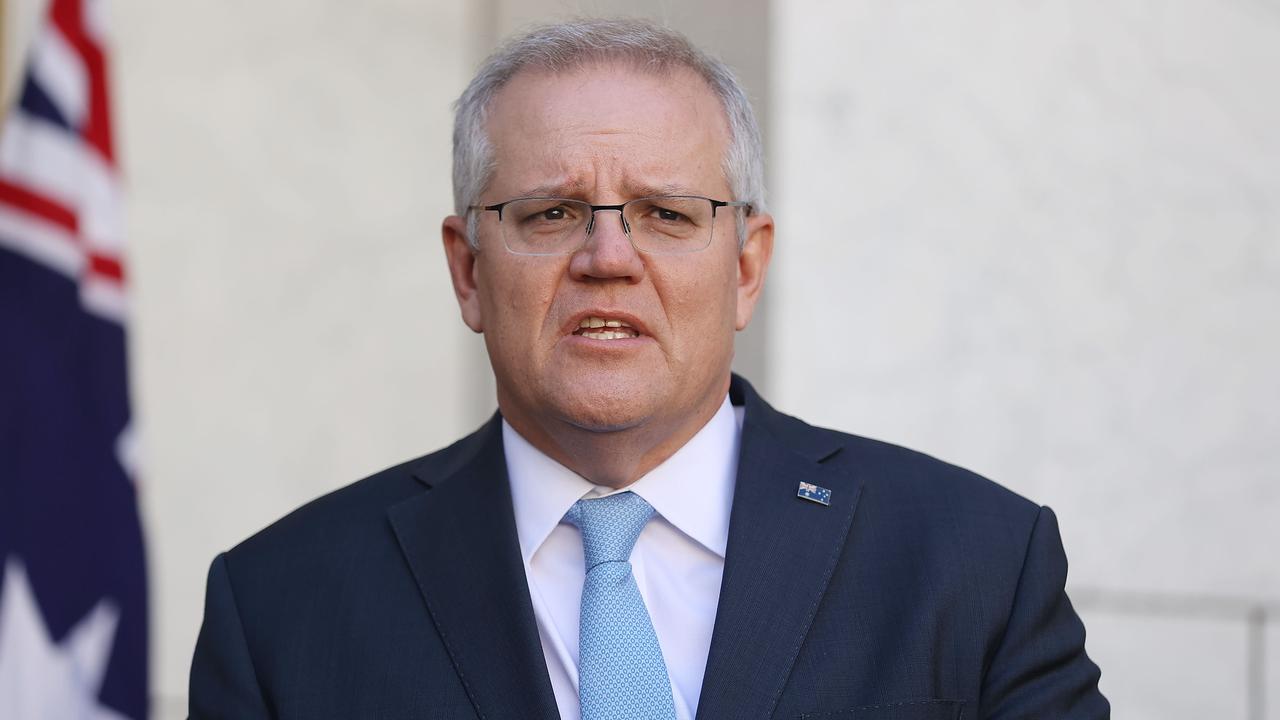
x: 516, y: 301
x: 701, y: 301
x: 722, y: 285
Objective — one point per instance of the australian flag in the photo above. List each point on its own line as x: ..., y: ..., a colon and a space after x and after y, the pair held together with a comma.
x: 73, y: 610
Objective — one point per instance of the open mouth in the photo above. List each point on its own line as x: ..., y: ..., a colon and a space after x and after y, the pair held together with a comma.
x: 599, y: 328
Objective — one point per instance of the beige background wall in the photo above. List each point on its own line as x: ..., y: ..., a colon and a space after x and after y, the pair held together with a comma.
x: 1037, y: 240
x: 293, y: 326
x: 19, y: 19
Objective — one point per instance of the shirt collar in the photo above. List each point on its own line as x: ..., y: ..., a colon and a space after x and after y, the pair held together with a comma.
x: 692, y: 489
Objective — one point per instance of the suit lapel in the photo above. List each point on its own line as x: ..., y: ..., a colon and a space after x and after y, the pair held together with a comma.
x: 782, y: 551
x: 461, y: 545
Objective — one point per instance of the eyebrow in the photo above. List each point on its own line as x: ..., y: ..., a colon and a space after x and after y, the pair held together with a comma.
x: 665, y: 189
x: 557, y: 189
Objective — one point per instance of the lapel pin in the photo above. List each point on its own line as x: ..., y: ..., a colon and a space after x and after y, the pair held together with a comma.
x: 813, y: 493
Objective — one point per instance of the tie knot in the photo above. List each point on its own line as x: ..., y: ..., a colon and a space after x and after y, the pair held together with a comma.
x: 609, y: 525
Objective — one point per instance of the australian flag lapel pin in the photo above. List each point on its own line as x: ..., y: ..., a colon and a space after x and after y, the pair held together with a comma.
x: 814, y: 493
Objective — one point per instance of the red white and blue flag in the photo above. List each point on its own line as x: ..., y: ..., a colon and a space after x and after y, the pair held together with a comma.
x: 73, y: 599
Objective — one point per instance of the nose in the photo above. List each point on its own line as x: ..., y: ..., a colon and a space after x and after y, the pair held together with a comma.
x: 608, y: 253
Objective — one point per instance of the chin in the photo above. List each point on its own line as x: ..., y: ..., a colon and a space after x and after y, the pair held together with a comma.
x: 604, y: 407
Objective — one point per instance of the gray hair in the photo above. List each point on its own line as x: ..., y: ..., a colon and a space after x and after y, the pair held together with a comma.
x: 571, y: 45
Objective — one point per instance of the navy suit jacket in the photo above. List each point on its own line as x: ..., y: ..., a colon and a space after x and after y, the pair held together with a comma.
x: 922, y: 592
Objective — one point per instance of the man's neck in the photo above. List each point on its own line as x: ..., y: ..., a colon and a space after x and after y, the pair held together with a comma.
x: 615, y: 458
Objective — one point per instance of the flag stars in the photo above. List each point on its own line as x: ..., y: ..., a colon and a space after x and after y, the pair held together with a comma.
x: 40, y: 678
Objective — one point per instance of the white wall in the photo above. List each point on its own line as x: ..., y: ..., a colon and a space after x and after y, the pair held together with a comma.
x: 293, y: 328
x: 1040, y: 240
x: 18, y: 20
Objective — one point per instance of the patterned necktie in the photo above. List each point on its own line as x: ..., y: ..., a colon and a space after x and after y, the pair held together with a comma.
x: 621, y: 674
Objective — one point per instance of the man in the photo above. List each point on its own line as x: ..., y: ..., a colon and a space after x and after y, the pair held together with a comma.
x: 637, y: 534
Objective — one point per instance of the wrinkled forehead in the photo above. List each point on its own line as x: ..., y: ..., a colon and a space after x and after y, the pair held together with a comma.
x: 611, y: 116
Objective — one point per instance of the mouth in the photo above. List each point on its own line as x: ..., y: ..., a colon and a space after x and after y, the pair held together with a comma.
x: 597, y: 327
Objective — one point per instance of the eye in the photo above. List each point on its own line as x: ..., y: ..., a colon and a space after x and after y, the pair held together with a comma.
x: 668, y: 213
x: 543, y: 212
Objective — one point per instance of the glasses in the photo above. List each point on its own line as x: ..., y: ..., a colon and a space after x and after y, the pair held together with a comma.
x: 666, y: 225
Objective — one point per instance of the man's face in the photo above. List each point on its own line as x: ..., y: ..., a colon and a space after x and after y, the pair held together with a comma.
x: 605, y: 135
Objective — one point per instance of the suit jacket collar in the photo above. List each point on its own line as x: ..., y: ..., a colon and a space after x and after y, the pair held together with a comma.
x: 460, y: 543
x: 781, y: 555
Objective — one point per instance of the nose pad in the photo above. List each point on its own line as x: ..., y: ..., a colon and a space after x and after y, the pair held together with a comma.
x: 609, y: 256
x: 626, y: 228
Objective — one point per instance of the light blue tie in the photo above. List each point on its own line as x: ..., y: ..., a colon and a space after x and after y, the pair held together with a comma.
x: 621, y: 675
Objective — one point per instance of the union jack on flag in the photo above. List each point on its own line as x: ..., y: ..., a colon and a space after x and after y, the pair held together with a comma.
x: 60, y: 200
x: 73, y: 611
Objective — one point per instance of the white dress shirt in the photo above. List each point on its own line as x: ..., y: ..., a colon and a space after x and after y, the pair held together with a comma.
x: 678, y: 559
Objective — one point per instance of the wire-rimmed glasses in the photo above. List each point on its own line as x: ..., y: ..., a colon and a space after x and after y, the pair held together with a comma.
x: 662, y: 225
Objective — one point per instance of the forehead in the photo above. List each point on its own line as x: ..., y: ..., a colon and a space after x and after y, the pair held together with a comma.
x: 608, y: 128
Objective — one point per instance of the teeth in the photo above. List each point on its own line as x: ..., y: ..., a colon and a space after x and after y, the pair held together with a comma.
x: 607, y: 335
x: 599, y: 322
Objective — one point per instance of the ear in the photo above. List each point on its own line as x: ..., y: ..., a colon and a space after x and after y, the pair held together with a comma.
x: 753, y: 262
x: 462, y: 270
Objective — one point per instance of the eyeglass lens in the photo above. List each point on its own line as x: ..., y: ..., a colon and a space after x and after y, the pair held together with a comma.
x: 554, y: 226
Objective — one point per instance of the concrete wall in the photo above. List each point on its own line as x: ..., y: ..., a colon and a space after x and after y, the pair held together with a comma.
x: 18, y: 20
x: 1040, y: 240
x: 293, y: 326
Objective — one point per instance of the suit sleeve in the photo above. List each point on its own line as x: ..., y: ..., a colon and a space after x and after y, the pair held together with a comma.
x: 224, y: 683
x: 1040, y: 669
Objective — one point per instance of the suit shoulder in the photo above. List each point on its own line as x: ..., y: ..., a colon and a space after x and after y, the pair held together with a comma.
x: 337, y: 510
x: 938, y: 509
x: 914, y: 472
x: 355, y: 512
x: 900, y: 474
